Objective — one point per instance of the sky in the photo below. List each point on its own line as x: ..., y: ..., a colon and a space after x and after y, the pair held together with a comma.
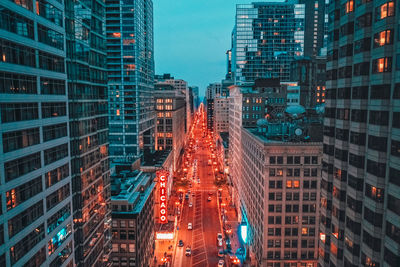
x: 191, y: 38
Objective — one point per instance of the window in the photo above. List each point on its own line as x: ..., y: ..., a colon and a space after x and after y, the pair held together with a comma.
x: 377, y: 143
x: 52, y: 86
x: 18, y: 167
x: 51, y: 62
x: 19, y: 112
x: 17, y: 54
x: 364, y: 21
x: 50, y: 37
x: 59, y: 238
x: 374, y: 193
x: 24, y: 192
x: 26, y: 244
x: 362, y: 45
x: 58, y: 218
x: 49, y: 12
x: 54, y: 109
x: 54, y: 131
x: 56, y: 175
x: 379, y: 117
x: 20, y: 139
x: 25, y: 218
x: 58, y: 196
x: 393, y: 204
x: 13, y: 22
x: 383, y: 38
x: 382, y: 65
x: 55, y: 153
x: 11, y: 83
x: 395, y: 148
x: 384, y: 11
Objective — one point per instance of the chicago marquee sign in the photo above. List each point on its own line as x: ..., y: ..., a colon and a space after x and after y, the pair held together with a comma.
x: 163, y: 178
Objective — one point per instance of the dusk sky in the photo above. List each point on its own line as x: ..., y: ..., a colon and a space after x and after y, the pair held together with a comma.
x: 191, y: 38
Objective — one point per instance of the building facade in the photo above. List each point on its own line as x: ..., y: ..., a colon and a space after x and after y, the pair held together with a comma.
x: 266, y: 38
x: 130, y: 65
x: 132, y: 219
x: 170, y: 131
x: 36, y: 222
x: 221, y: 114
x: 279, y: 199
x: 88, y: 114
x: 360, y: 189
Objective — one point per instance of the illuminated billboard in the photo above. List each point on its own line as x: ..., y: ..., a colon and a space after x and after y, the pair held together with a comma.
x: 164, y: 236
x: 162, y: 178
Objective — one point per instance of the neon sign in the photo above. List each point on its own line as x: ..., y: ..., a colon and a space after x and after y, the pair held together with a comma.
x: 163, y: 177
x: 243, y: 232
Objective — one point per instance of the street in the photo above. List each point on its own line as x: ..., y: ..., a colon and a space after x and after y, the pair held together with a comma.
x: 199, y: 204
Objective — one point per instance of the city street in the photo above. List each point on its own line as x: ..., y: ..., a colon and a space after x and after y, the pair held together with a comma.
x: 201, y: 192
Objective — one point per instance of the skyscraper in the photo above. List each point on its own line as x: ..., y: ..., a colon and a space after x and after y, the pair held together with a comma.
x: 360, y: 187
x: 130, y: 65
x: 88, y: 112
x: 269, y: 35
x: 35, y: 170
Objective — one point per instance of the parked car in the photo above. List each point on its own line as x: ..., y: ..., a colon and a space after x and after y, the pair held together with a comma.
x: 180, y: 243
x: 190, y: 227
x: 221, y: 253
x: 221, y: 263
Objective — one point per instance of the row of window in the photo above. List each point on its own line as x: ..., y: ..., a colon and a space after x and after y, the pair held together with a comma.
x: 307, y: 172
x: 291, y: 220
x: 14, y: 112
x: 277, y: 243
x: 294, y: 160
x: 24, y: 192
x: 292, y: 208
x: 292, y: 196
x: 23, y: 55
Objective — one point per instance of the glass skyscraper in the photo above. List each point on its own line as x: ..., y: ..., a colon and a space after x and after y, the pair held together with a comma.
x: 130, y: 66
x: 87, y: 93
x: 35, y: 171
x: 266, y: 38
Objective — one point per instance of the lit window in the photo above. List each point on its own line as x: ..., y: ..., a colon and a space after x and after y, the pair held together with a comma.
x: 117, y: 34
x: 386, y: 10
x: 118, y: 113
x: 288, y: 184
x: 382, y: 65
x: 383, y: 38
x: 350, y: 6
x: 304, y: 231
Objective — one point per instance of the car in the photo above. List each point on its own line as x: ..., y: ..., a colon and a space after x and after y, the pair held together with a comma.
x: 219, y: 243
x: 221, y: 253
x: 190, y: 204
x: 221, y: 263
x: 180, y: 243
x: 219, y: 236
x: 187, y: 196
x: 209, y: 199
x: 190, y: 226
x: 198, y: 181
x: 188, y: 251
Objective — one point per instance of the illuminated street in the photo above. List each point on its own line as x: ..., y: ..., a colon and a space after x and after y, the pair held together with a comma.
x: 200, y: 192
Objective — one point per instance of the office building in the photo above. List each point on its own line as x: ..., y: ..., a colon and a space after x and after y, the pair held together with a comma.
x: 36, y: 223
x: 247, y: 104
x: 360, y: 188
x: 278, y: 192
x: 221, y: 114
x: 170, y: 131
x: 132, y: 219
x: 88, y: 112
x: 196, y: 100
x: 130, y: 65
x: 267, y: 36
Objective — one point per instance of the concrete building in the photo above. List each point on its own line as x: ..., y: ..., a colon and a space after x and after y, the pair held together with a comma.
x: 268, y: 35
x: 88, y: 111
x: 221, y: 114
x: 247, y: 104
x: 130, y: 65
x: 132, y: 203
x: 170, y: 131
x: 360, y: 188
x: 279, y: 197
x: 183, y: 87
x: 35, y: 165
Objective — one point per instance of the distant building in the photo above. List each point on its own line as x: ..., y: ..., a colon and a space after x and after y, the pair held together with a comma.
x: 310, y: 76
x: 170, y: 106
x: 221, y: 114
x: 268, y: 35
x: 132, y: 201
x: 130, y: 65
